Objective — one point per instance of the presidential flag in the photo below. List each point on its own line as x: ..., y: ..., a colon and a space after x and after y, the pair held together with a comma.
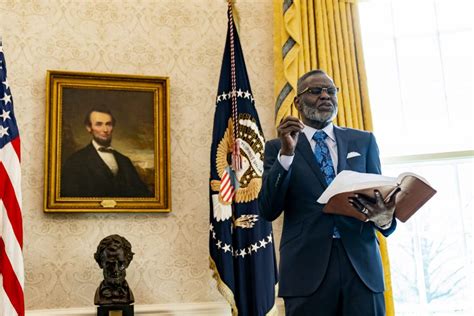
x: 242, y: 253
x: 11, y: 226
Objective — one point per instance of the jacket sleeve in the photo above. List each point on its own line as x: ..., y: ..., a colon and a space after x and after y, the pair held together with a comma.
x: 373, y: 156
x: 275, y: 182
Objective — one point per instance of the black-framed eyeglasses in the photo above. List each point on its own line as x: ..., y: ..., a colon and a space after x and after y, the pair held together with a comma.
x: 318, y: 90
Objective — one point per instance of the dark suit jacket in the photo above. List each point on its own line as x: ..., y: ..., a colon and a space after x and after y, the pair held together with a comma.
x: 85, y: 174
x: 307, y: 232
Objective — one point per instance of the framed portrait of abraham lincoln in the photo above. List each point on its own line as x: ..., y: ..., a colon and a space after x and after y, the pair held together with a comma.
x: 107, y: 143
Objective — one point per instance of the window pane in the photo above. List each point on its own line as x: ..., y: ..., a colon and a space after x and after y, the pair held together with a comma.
x: 423, y: 95
x: 419, y: 76
x: 431, y: 254
x: 457, y: 57
x: 377, y: 13
x: 454, y: 14
x: 382, y: 56
x: 414, y: 18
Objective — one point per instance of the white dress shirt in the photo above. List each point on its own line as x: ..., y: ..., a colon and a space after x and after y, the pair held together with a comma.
x: 308, y: 131
x: 108, y: 158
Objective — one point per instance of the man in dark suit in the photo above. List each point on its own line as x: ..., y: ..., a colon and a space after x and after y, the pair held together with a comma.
x: 98, y: 170
x: 329, y: 264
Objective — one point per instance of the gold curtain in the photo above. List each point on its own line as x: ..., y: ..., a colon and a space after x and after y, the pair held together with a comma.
x: 324, y: 34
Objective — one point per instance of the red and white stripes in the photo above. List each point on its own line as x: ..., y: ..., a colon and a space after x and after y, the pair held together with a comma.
x: 226, y: 189
x: 11, y: 232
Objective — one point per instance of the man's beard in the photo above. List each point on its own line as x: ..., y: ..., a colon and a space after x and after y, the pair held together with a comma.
x: 103, y: 142
x: 313, y: 114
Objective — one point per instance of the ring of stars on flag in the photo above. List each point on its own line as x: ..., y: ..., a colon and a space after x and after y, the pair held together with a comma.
x: 247, y: 251
x: 239, y: 93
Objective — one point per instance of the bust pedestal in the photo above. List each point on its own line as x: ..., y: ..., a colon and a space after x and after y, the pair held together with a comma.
x: 115, y: 310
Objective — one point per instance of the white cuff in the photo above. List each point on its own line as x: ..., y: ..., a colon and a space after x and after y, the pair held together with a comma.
x: 386, y: 226
x: 285, y: 161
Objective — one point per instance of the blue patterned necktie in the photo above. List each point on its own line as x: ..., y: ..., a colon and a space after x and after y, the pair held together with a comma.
x: 323, y: 157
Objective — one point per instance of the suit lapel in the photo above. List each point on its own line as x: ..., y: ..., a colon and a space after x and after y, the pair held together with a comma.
x: 100, y: 168
x: 305, y: 151
x: 342, y: 145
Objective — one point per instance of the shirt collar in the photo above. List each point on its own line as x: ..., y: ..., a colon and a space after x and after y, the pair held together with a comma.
x: 97, y: 146
x: 328, y: 129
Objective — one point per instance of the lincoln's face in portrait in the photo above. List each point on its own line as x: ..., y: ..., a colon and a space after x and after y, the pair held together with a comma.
x: 100, y: 126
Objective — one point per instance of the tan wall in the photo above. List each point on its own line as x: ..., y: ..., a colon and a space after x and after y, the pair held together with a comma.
x: 181, y: 39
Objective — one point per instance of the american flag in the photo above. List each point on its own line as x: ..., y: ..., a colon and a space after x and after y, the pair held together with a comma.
x: 11, y: 223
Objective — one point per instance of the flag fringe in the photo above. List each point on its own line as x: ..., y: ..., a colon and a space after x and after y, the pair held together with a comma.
x: 225, y: 291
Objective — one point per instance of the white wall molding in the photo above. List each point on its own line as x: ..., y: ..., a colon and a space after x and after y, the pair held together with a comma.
x: 185, y: 309
x: 176, y: 309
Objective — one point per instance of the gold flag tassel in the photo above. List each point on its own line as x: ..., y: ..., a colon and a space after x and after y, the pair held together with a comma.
x: 236, y: 158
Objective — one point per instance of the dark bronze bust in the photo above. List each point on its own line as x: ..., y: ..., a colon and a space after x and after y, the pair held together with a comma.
x: 114, y: 254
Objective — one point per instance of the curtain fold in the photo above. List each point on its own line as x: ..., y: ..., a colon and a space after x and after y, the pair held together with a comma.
x: 324, y: 34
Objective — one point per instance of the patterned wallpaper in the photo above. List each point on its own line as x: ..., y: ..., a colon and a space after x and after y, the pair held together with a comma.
x: 182, y: 39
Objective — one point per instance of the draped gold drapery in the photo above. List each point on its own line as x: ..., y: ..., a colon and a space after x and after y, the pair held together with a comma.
x: 324, y: 34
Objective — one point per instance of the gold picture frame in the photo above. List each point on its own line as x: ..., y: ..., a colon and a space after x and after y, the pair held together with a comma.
x: 107, y: 143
